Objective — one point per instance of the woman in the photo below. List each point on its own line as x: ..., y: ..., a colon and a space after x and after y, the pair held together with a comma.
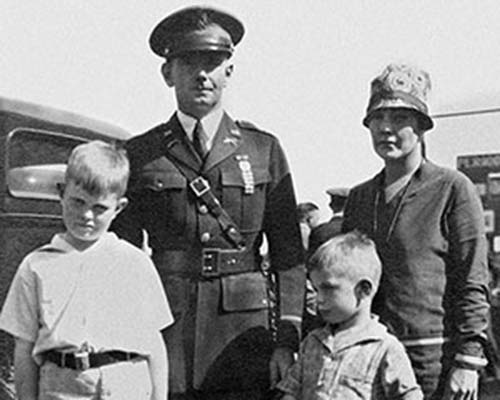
x: 427, y: 223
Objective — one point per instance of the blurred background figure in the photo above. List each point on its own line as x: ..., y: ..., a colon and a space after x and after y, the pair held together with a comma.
x: 320, y: 234
x: 308, y: 216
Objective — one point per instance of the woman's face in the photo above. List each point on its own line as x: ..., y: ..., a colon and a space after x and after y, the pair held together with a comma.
x: 395, y: 133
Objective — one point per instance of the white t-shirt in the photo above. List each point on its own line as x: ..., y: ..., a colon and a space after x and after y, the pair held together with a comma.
x: 109, y: 296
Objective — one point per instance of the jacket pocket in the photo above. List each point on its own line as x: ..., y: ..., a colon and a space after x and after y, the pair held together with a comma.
x: 244, y: 292
x: 164, y: 203
x: 246, y: 207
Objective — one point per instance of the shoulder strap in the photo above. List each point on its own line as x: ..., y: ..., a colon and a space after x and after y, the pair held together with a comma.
x: 201, y: 189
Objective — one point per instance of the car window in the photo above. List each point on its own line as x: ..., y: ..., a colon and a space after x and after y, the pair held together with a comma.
x: 36, y: 161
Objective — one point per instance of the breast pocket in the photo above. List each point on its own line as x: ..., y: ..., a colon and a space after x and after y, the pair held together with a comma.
x: 245, y: 202
x: 163, y: 196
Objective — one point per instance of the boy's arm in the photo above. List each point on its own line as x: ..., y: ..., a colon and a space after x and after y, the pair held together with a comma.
x: 158, y: 367
x: 397, y: 376
x: 26, y: 370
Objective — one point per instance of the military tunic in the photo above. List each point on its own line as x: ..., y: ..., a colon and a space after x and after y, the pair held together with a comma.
x: 220, y: 339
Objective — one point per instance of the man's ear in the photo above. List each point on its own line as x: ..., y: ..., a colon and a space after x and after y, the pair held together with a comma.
x: 166, y: 71
x: 122, y: 203
x: 229, y: 70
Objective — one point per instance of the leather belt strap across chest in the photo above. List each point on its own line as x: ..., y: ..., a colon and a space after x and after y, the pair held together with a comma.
x: 201, y: 189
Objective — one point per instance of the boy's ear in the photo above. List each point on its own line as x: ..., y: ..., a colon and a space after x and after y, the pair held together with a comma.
x: 364, y: 288
x: 122, y: 203
x: 166, y: 71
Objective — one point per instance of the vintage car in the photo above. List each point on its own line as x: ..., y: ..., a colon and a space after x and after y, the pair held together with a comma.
x: 35, y: 142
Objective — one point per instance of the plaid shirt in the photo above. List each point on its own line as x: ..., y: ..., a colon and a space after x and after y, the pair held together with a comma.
x: 363, y: 362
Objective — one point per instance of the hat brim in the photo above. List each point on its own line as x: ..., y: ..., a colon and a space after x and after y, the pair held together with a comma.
x: 425, y: 121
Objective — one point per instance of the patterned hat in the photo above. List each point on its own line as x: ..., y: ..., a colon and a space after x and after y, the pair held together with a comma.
x: 401, y: 86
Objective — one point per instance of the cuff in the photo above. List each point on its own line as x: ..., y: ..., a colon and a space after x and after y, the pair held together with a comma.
x: 469, y: 362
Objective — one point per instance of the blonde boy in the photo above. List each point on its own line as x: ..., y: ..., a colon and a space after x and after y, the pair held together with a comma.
x: 353, y: 356
x: 86, y: 309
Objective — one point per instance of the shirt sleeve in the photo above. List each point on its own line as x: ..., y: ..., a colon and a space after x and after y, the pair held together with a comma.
x: 155, y: 300
x: 396, y: 374
x: 19, y: 315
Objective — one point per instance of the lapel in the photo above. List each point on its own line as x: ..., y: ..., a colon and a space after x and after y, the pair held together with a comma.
x: 179, y: 146
x: 226, y: 141
x: 419, y: 179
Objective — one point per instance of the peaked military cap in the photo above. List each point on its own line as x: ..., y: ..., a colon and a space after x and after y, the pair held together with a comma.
x: 196, y: 29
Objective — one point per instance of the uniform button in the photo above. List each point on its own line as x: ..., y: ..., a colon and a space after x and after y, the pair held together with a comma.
x: 205, y: 237
x: 203, y: 209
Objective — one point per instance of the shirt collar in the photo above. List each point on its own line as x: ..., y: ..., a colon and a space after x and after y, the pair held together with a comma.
x: 371, y: 330
x: 210, y: 124
x: 59, y: 243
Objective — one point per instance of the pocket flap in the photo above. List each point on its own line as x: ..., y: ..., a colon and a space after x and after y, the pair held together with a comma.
x: 161, y: 180
x: 244, y: 292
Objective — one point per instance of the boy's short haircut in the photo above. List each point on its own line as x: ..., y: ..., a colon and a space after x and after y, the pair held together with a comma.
x: 99, y: 168
x: 352, y: 254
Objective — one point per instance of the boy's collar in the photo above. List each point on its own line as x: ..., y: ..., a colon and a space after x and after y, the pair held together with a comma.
x: 336, y: 341
x: 59, y: 243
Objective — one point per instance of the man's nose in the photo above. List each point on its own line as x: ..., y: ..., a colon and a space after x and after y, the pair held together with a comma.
x: 201, y: 73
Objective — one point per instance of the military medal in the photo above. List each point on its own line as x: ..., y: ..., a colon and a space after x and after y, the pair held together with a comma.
x: 246, y: 173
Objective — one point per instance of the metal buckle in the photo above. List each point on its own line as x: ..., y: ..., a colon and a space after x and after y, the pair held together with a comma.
x: 210, y: 261
x: 199, y: 186
x: 82, y: 361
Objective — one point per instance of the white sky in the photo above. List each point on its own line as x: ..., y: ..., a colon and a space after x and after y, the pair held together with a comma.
x: 302, y: 71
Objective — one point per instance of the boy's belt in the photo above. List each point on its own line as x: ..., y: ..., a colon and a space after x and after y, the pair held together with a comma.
x: 84, y: 360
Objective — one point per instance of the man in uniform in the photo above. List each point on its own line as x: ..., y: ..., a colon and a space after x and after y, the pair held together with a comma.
x: 205, y: 189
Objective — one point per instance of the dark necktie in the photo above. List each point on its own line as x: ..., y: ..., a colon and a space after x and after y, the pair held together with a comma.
x: 200, y: 140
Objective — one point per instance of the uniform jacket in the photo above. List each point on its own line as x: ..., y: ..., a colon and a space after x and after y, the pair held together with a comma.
x: 220, y: 339
x: 433, y: 249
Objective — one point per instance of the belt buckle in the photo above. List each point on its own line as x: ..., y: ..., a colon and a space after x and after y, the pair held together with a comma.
x: 82, y: 360
x: 199, y: 186
x: 210, y: 263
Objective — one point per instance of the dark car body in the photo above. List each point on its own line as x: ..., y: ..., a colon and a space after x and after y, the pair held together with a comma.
x: 35, y: 142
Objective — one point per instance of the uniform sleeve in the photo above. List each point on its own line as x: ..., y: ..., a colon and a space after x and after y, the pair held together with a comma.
x: 467, y: 274
x: 127, y: 225
x: 19, y: 315
x: 396, y: 374
x: 285, y: 247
